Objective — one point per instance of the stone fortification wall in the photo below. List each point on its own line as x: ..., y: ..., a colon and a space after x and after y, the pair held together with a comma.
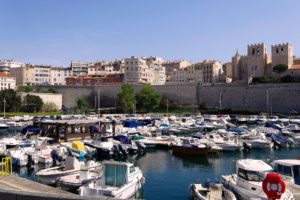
x: 264, y: 98
x: 269, y: 97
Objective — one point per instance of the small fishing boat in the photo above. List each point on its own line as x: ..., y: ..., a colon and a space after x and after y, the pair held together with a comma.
x: 289, y: 171
x: 50, y: 175
x: 247, y: 182
x: 86, y: 175
x: 192, y: 146
x: 120, y: 181
x: 212, y: 192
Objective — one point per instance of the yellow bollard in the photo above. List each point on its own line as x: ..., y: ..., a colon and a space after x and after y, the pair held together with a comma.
x: 6, y: 166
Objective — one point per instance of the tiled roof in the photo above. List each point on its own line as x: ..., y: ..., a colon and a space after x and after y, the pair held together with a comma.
x: 5, y: 75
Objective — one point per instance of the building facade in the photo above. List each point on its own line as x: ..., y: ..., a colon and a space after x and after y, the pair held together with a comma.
x: 144, y: 70
x: 6, y: 65
x: 258, y: 62
x: 59, y: 74
x: 7, y: 81
x: 206, y: 72
x: 92, y: 80
x: 170, y: 66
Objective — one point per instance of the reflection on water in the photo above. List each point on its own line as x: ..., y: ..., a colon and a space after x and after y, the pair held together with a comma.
x: 168, y: 176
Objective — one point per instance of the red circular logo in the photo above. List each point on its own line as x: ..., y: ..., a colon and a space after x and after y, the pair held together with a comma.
x: 273, y: 186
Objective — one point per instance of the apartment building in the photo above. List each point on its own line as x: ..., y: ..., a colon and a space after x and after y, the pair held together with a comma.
x: 207, y: 72
x: 144, y: 70
x: 58, y: 75
x: 170, y: 66
x: 7, y: 81
x: 6, y: 65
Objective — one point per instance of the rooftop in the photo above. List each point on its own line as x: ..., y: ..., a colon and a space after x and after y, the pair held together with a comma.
x: 5, y: 75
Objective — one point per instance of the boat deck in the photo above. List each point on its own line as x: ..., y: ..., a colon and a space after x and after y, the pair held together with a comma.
x: 12, y: 182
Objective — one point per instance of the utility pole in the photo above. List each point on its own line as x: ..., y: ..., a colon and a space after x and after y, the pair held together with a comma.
x: 4, y: 101
x: 267, y: 101
x: 167, y: 106
x: 99, y: 107
x: 220, y: 101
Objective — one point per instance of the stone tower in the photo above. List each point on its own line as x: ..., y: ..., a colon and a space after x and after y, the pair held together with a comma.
x: 236, y: 67
x: 258, y: 60
x: 282, y: 54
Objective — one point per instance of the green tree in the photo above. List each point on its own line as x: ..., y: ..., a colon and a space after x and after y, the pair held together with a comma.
x: 32, y: 103
x: 126, y: 98
x: 148, y: 99
x: 28, y: 88
x: 13, y: 101
x: 52, y: 90
x: 82, y: 104
x: 279, y: 69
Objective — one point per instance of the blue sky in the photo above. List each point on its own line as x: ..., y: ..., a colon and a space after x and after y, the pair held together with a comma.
x: 58, y: 31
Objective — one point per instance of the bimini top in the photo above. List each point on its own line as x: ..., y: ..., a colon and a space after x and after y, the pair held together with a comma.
x: 253, y: 165
x: 287, y: 162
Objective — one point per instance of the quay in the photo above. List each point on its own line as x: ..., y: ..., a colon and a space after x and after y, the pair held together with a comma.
x: 16, y: 188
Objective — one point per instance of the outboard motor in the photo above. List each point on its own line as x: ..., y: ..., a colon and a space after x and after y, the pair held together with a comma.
x: 30, y: 160
x: 140, y: 145
x: 246, y: 147
x: 123, y: 150
x: 290, y: 142
x: 55, y: 157
x: 116, y: 150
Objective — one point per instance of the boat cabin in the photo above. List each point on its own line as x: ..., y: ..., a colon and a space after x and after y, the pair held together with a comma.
x: 252, y: 170
x: 117, y: 174
x: 288, y: 169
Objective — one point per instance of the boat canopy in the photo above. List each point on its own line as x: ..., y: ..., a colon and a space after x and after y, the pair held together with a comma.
x: 123, y: 139
x: 31, y: 129
x: 253, y: 165
x: 240, y: 131
x: 279, y: 138
x: 132, y: 123
x: 78, y: 145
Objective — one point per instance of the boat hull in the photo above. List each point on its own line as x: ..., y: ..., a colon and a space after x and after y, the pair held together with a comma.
x: 193, y: 150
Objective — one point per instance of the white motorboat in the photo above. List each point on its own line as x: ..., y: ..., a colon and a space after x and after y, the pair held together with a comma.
x: 256, y: 141
x: 72, y: 182
x: 289, y: 170
x: 50, y: 175
x: 120, y: 180
x: 227, y: 143
x: 20, y: 156
x: 213, y: 192
x: 247, y: 182
x: 3, y: 128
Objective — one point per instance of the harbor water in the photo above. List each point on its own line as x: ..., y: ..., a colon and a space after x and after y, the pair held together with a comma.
x: 168, y: 176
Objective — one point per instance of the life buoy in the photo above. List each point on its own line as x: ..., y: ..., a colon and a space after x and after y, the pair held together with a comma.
x: 273, y: 186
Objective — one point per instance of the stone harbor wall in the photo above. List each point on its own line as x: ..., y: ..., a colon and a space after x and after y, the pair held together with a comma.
x: 265, y: 98
x: 268, y: 97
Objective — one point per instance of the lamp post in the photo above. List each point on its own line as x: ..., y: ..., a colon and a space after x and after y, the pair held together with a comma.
x: 4, y: 101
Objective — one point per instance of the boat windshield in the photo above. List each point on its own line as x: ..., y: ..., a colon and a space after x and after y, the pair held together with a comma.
x: 257, y: 176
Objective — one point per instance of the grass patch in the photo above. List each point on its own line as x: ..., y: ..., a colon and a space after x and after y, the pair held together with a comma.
x: 11, y: 114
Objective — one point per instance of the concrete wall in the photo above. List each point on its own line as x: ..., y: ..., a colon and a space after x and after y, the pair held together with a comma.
x: 57, y: 99
x: 282, y: 97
